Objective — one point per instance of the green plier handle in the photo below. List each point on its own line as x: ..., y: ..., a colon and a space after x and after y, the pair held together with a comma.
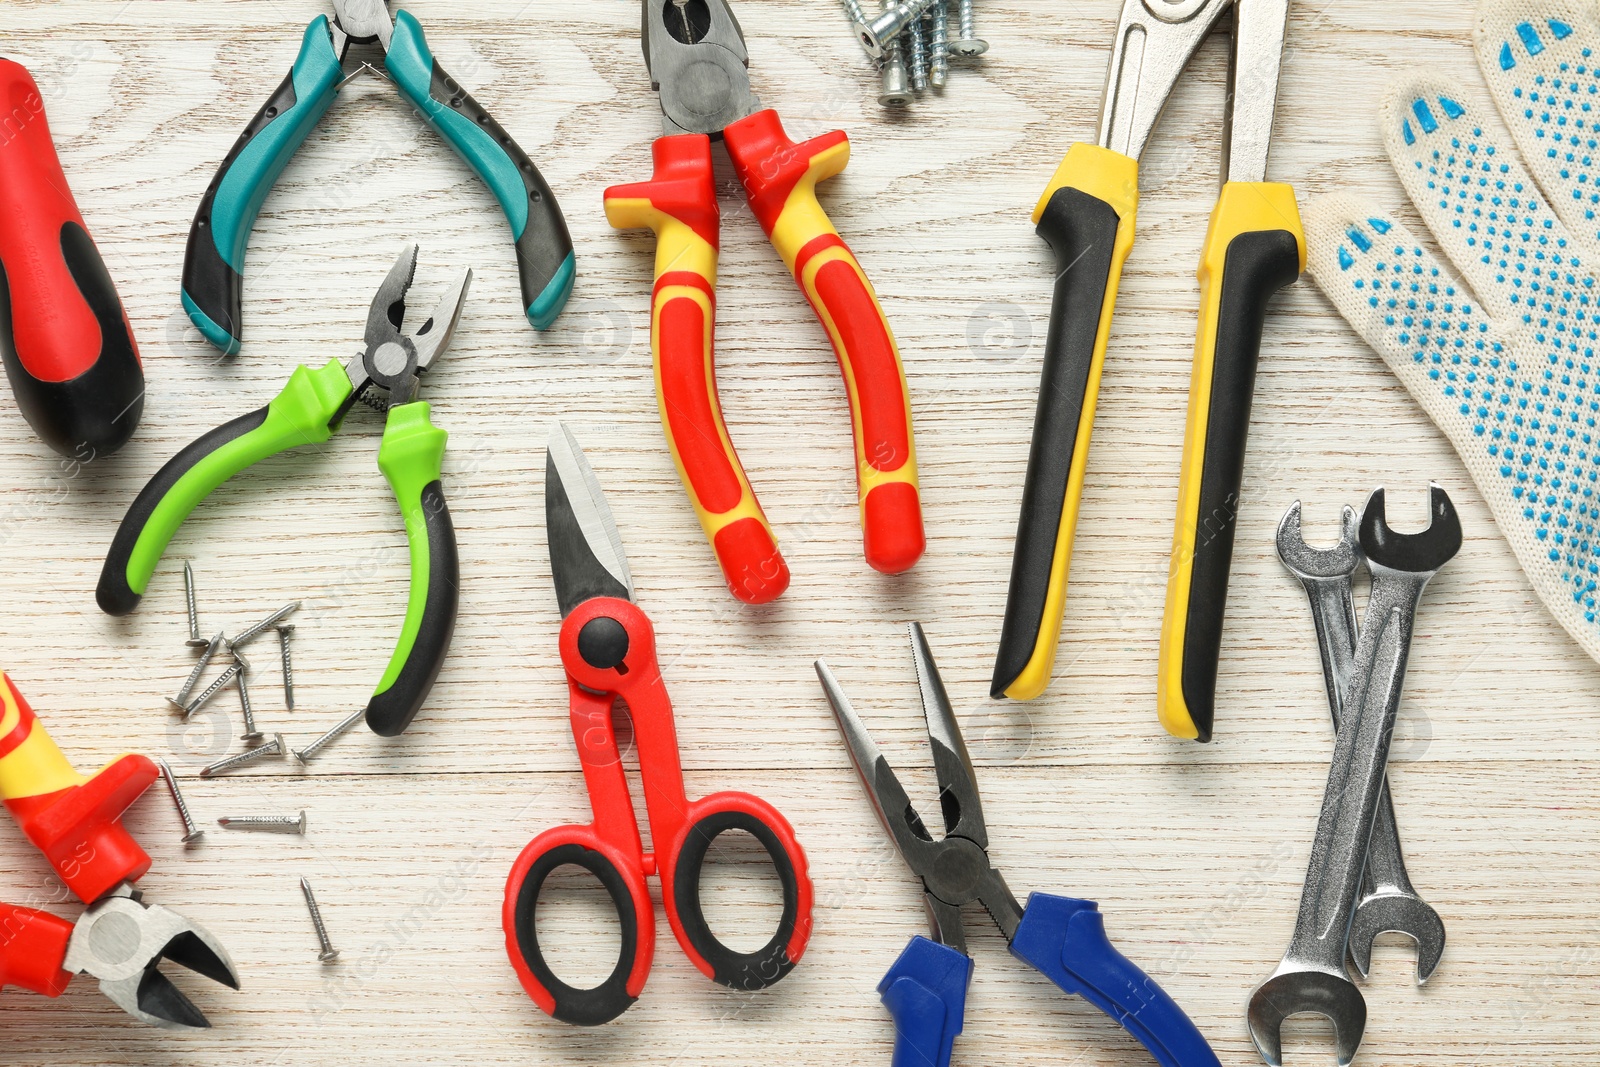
x: 307, y: 412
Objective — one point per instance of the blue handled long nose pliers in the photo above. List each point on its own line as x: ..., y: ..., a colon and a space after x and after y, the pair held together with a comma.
x: 213, y: 267
x: 1064, y: 938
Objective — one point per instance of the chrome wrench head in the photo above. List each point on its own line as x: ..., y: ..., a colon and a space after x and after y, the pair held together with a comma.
x: 1390, y: 908
x: 1294, y: 989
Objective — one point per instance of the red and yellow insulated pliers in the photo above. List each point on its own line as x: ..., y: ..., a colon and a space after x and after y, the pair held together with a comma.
x: 697, y: 59
x: 119, y: 940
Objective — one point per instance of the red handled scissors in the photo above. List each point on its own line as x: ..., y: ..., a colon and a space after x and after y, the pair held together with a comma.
x: 609, y: 651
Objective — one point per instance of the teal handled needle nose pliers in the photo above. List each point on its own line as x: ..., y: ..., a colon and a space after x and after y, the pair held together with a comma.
x: 1063, y: 938
x: 383, y: 375
x: 213, y: 267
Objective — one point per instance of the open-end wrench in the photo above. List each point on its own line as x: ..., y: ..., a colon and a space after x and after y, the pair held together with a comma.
x: 1388, y: 902
x: 1312, y: 975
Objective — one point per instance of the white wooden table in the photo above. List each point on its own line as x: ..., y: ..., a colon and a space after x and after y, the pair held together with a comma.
x: 1196, y: 853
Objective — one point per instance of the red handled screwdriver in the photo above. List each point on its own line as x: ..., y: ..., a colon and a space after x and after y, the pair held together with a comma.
x: 64, y: 337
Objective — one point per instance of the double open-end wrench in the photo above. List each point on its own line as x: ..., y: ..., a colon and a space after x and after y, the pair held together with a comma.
x: 1312, y: 975
x: 1388, y: 902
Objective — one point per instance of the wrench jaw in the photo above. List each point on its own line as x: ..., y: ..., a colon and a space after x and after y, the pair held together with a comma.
x: 1295, y: 989
x: 1305, y: 562
x: 1389, y: 912
x: 1415, y: 554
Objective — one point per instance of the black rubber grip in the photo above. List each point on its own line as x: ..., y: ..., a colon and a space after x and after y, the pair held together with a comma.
x: 1082, y: 232
x: 737, y: 970
x: 545, y: 243
x: 391, y: 711
x: 215, y: 287
x: 114, y: 594
x: 95, y: 413
x: 1256, y: 266
x: 609, y: 999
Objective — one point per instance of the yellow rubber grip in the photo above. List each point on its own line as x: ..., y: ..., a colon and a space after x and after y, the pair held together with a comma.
x: 30, y: 763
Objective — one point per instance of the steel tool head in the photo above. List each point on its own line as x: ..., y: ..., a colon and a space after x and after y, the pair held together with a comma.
x: 121, y: 942
x: 695, y: 52
x: 586, y: 557
x: 392, y: 358
x: 1384, y: 913
x: 1304, y: 562
x: 364, y: 21
x: 954, y: 870
x: 1294, y: 992
x: 1155, y: 40
x: 1418, y: 553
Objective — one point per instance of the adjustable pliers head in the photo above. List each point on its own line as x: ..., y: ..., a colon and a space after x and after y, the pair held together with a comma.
x: 695, y: 52
x: 392, y: 360
x: 954, y: 870
x: 121, y: 941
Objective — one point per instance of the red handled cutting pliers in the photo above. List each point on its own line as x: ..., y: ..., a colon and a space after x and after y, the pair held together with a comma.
x: 609, y: 651
x: 77, y: 823
x: 697, y: 60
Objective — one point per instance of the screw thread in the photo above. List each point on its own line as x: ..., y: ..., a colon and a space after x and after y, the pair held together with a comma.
x: 194, y: 675
x: 271, y: 748
x: 288, y: 667
x: 250, y: 731
x: 212, y: 690
x: 189, y: 603
x: 917, y: 55
x: 190, y: 830
x: 939, y: 44
x: 894, y: 85
x: 305, y: 755
x: 328, y: 951
x: 291, y: 823
x: 276, y: 617
x: 965, y: 24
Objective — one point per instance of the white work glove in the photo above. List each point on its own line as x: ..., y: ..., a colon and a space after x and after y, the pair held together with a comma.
x: 1509, y: 370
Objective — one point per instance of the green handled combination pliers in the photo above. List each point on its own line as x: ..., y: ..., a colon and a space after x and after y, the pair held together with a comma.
x: 311, y: 407
x: 213, y: 266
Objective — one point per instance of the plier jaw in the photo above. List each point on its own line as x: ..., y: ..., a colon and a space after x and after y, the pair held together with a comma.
x: 698, y: 65
x: 361, y: 22
x: 392, y: 359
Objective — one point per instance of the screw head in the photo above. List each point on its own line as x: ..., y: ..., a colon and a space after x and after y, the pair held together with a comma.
x: 967, y: 47
x: 190, y: 839
x: 328, y: 956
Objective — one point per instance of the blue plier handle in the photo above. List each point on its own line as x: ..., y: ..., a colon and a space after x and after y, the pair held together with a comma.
x: 213, y: 269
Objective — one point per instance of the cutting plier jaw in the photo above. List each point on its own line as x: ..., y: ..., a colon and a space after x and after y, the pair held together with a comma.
x: 697, y: 60
x: 120, y: 941
x: 361, y: 22
x: 392, y: 359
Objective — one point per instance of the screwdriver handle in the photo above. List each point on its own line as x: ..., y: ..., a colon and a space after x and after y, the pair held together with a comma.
x: 33, y: 947
x: 213, y: 265
x: 75, y: 821
x: 303, y: 413
x: 1087, y: 216
x: 926, y: 994
x: 64, y: 336
x: 545, y: 263
x: 780, y: 182
x: 411, y: 457
x: 1254, y: 247
x: 680, y: 204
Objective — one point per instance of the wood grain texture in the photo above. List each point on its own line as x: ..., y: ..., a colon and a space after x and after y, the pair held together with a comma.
x: 1195, y: 852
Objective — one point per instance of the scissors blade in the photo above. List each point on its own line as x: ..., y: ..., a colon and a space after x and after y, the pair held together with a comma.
x: 1259, y: 28
x: 586, y: 557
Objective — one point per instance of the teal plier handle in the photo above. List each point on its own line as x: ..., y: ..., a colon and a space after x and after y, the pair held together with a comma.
x: 308, y: 411
x: 213, y: 267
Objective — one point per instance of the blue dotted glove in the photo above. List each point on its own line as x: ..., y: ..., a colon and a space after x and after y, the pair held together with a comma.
x: 1509, y: 371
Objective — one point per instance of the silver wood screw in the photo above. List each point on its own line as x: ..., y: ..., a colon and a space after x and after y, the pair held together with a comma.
x: 328, y: 953
x: 894, y: 85
x: 278, y: 824
x: 897, y: 15
x: 284, y: 630
x: 223, y: 680
x: 267, y: 623
x: 967, y: 42
x: 191, y: 832
x: 276, y: 747
x: 180, y: 701
x: 939, y: 44
x: 309, y: 753
x: 250, y: 731
x: 915, y: 41
x: 195, y: 640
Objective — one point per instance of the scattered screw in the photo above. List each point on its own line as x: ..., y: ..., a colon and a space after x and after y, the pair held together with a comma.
x: 277, y: 824
x: 194, y: 675
x: 239, y: 658
x: 309, y: 753
x: 191, y: 832
x: 223, y: 679
x: 195, y: 640
x: 915, y: 42
x: 276, y: 747
x: 939, y: 44
x: 894, y: 85
x: 250, y: 731
x: 897, y: 15
x: 854, y: 11
x: 276, y: 617
x: 284, y: 630
x: 967, y: 42
x: 328, y: 953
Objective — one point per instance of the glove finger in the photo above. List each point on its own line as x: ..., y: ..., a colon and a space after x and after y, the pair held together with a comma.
x: 1536, y: 59
x: 1482, y: 206
x: 1519, y: 407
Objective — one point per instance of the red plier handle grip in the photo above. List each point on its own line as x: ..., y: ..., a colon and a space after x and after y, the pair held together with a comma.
x: 680, y: 204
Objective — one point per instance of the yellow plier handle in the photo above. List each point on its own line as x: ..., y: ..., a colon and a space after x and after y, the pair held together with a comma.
x: 1254, y: 247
